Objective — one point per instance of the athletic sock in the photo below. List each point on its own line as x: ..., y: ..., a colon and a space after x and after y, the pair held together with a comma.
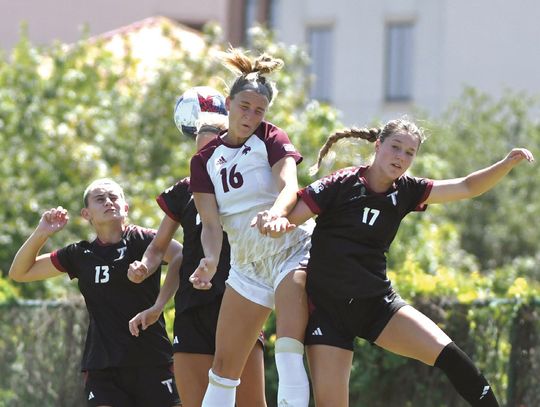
x: 469, y: 382
x: 221, y: 392
x: 293, y: 385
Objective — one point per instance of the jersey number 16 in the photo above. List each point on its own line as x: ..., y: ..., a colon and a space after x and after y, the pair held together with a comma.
x: 235, y: 179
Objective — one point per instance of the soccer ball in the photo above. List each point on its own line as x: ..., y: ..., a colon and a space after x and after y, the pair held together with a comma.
x: 197, y: 106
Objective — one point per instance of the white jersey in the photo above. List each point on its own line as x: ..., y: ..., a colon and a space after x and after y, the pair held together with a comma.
x: 241, y: 179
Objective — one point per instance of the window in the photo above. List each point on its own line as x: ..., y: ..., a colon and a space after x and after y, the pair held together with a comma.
x: 273, y: 7
x: 250, y: 18
x: 399, y: 62
x: 320, y: 40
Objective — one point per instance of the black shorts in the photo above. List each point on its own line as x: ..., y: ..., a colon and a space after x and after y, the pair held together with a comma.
x: 195, y: 329
x: 337, y: 322
x: 137, y: 386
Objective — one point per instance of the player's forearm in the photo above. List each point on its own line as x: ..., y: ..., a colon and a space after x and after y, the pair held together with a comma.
x: 171, y: 283
x: 153, y: 256
x: 485, y: 179
x: 285, y: 201
x: 212, y: 240
x: 26, y: 256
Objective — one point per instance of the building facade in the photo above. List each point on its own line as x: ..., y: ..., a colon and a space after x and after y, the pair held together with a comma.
x: 378, y: 58
x: 370, y: 58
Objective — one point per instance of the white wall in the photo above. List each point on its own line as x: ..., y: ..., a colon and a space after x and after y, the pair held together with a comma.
x: 49, y: 20
x: 488, y: 44
x: 493, y: 44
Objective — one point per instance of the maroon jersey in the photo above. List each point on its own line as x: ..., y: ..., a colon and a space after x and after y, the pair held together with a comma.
x: 354, y: 229
x: 112, y: 300
x: 177, y: 203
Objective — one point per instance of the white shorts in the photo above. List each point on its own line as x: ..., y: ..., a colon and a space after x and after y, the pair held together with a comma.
x: 245, y: 280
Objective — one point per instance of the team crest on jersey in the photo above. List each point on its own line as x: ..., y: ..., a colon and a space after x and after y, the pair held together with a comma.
x: 121, y: 253
x: 317, y: 186
x: 246, y: 150
x: 221, y: 160
x: 289, y: 147
x: 168, y: 383
x: 393, y: 197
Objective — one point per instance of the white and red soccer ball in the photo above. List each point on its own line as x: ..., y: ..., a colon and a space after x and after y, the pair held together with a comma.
x: 197, y: 106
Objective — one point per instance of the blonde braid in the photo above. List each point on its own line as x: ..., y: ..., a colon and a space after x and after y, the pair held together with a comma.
x: 370, y: 135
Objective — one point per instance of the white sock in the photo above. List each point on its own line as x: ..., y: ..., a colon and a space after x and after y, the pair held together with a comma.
x: 293, y: 386
x: 221, y: 392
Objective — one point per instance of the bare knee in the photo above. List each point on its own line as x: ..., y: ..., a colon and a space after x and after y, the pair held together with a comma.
x: 219, y: 366
x: 291, y: 306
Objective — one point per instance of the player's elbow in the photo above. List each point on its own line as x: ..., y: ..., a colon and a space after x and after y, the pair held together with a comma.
x: 17, y: 275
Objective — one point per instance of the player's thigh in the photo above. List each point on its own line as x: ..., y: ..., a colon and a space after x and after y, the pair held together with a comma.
x: 330, y: 371
x: 251, y: 392
x: 239, y: 324
x: 412, y: 334
x: 191, y: 375
x: 291, y: 306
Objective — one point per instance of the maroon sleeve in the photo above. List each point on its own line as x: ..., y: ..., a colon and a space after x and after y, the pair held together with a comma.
x: 310, y: 202
x: 328, y: 191
x: 199, y: 179
x: 173, y: 200
x: 61, y: 259
x: 163, y: 205
x: 277, y: 143
x: 421, y: 205
x: 56, y: 262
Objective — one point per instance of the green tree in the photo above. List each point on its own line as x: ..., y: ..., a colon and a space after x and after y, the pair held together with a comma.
x: 69, y: 114
x: 476, y: 131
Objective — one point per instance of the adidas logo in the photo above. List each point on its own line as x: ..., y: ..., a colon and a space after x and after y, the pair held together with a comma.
x: 221, y: 160
x: 317, y: 332
x: 175, y: 340
x: 91, y: 396
x: 484, y: 392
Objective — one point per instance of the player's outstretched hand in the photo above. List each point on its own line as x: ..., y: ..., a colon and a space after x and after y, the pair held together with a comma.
x: 262, y: 221
x: 144, y: 319
x: 53, y: 220
x: 278, y: 227
x: 516, y: 155
x: 137, y: 272
x: 203, y: 274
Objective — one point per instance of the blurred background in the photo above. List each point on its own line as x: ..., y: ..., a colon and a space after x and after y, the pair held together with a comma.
x: 87, y: 90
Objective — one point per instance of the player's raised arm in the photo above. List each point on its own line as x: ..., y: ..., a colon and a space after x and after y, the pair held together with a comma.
x: 27, y: 264
x: 478, y: 182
